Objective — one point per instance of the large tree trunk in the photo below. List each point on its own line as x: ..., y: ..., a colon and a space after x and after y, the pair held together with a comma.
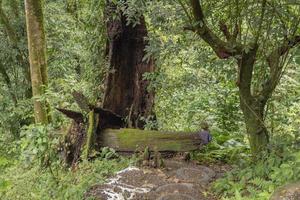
x: 126, y: 91
x: 37, y: 57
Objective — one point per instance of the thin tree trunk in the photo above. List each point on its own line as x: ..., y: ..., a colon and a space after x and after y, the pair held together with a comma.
x: 37, y: 57
x: 126, y: 91
x: 252, y: 106
x: 253, y: 111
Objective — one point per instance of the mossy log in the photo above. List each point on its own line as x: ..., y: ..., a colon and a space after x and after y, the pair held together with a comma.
x: 101, y: 128
x: 130, y: 140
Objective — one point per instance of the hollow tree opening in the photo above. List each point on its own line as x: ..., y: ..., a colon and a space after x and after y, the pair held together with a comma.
x: 126, y: 91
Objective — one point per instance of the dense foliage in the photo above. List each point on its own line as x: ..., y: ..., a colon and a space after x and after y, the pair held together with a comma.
x: 190, y: 82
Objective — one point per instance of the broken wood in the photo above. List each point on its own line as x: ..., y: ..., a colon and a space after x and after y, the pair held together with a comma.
x: 76, y: 116
x: 91, y: 133
x: 85, y: 129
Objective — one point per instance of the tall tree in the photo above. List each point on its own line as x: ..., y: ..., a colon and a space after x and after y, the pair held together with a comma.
x: 259, y: 38
x: 37, y: 56
x: 126, y: 90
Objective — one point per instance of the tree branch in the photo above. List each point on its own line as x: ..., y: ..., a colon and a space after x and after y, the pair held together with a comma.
x: 274, y: 57
x: 225, y: 31
x: 221, y: 48
x: 185, y: 11
x: 286, y: 46
x: 276, y: 68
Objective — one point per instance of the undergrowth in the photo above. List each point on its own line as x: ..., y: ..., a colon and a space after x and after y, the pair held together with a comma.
x: 35, y: 171
x: 251, y: 179
x: 17, y: 182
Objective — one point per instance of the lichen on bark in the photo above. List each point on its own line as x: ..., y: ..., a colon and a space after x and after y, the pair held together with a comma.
x: 37, y: 57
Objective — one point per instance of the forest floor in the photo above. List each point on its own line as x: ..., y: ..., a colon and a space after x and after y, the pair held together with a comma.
x: 179, y: 180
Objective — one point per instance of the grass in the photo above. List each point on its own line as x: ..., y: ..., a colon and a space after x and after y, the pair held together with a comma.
x: 19, y: 183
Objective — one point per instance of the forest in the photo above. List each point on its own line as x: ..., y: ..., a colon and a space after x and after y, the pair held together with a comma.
x: 150, y: 99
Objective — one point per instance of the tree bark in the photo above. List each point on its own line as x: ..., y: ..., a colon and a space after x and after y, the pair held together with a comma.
x: 253, y: 111
x: 252, y: 106
x: 37, y: 57
x: 126, y: 91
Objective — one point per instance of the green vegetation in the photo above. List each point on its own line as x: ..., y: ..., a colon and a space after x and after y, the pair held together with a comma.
x: 251, y: 179
x: 192, y: 82
x: 19, y: 182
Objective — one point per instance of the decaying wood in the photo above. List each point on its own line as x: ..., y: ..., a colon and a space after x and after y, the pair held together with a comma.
x: 85, y: 129
x: 127, y: 91
x: 130, y: 140
x: 77, y: 116
x: 101, y: 128
x: 73, y: 143
x: 82, y: 101
x: 108, y: 119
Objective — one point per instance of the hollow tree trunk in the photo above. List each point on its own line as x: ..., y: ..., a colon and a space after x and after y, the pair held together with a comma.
x: 126, y: 91
x: 37, y: 57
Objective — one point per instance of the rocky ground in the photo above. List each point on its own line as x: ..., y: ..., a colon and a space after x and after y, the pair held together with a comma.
x: 178, y: 181
x: 288, y: 192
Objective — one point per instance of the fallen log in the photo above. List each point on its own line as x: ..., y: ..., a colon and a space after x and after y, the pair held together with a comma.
x: 130, y: 140
x: 95, y: 127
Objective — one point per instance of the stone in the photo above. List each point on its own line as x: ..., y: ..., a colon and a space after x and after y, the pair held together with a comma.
x: 288, y: 192
x: 200, y: 175
x: 176, y: 197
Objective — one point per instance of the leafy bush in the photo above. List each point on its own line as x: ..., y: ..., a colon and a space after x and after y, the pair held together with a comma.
x: 39, y: 143
x: 108, y: 153
x: 225, y: 148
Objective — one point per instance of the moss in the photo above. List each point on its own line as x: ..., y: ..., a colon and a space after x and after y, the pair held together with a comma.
x: 131, y: 139
x: 90, y: 134
x: 37, y: 57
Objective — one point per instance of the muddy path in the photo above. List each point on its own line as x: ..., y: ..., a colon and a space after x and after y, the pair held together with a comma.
x: 178, y: 181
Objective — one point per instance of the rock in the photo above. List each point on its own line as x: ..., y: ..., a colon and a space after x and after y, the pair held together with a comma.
x: 178, y: 188
x: 288, y: 192
x: 178, y: 181
x: 176, y: 197
x: 200, y: 175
